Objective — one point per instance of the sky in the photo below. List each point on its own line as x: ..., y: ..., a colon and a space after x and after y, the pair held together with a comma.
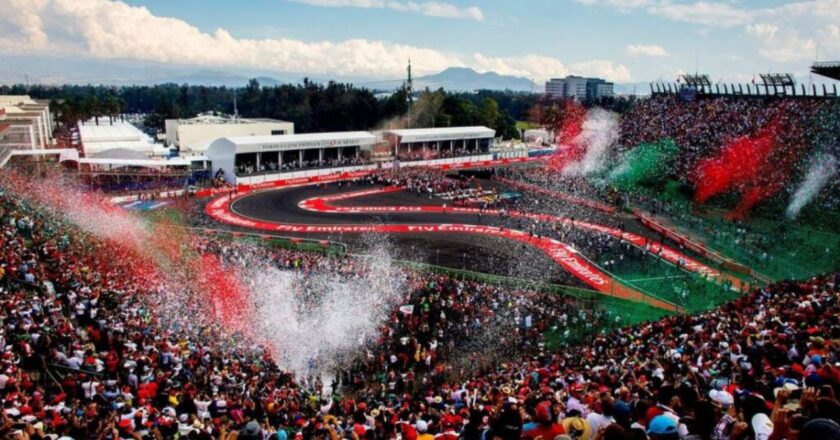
x: 620, y: 40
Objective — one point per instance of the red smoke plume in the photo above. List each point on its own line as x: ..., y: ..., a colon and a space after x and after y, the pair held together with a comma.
x: 755, y: 166
x: 736, y: 167
x: 567, y: 131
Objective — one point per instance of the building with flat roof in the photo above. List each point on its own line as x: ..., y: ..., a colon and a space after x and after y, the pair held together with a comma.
x: 434, y: 143
x: 194, y: 135
x: 579, y: 88
x: 21, y: 112
x: 97, y: 140
x: 248, y: 155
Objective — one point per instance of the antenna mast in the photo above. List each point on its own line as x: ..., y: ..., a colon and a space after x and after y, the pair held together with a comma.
x: 235, y: 110
x: 410, y: 91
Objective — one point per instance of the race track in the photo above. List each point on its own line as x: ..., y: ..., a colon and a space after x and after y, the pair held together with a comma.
x: 319, y: 210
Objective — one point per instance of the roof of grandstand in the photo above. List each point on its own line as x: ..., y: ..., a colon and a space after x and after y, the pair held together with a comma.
x: 829, y: 69
x: 117, y: 135
x: 149, y: 163
x: 441, y: 133
x: 302, y: 140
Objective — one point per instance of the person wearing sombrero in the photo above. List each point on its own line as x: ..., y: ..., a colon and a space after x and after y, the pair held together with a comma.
x: 577, y: 428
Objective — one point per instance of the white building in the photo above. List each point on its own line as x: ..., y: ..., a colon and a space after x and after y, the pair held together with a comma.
x: 30, y: 123
x: 194, y: 136
x: 274, y: 154
x: 537, y: 135
x: 102, y: 139
x: 18, y: 134
x: 578, y: 88
x: 430, y: 143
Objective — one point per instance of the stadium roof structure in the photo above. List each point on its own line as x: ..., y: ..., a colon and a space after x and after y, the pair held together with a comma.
x: 442, y: 133
x: 253, y: 144
x: 119, y: 135
x: 210, y: 118
x: 146, y: 163
x: 698, y: 81
x: 106, y: 132
x: 828, y: 69
x: 778, y: 80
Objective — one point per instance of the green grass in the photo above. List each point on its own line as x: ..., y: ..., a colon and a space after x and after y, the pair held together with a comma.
x: 665, y: 281
x: 777, y: 247
x: 525, y: 125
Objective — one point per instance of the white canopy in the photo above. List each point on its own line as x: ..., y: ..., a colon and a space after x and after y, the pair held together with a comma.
x: 441, y: 134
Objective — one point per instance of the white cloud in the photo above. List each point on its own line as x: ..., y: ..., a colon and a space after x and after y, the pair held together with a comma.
x: 716, y: 14
x: 762, y: 30
x: 20, y: 22
x: 107, y: 29
x: 641, y: 50
x: 623, y: 5
x: 703, y: 13
x: 783, y: 46
x: 541, y: 68
x: 601, y: 68
x: 788, y: 33
x: 433, y: 9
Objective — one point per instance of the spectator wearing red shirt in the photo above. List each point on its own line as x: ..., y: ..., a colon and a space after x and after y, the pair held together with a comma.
x: 547, y: 427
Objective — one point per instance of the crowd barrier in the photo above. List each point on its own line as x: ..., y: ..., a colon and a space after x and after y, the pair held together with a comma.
x: 326, y: 247
x: 603, y: 207
x: 700, y: 249
x: 627, y: 312
x: 336, y: 174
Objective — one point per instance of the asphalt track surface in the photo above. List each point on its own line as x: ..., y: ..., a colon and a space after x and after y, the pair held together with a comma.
x: 280, y: 210
x: 299, y: 207
x: 461, y: 251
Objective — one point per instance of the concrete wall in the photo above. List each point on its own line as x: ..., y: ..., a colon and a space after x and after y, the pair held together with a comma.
x: 196, y: 137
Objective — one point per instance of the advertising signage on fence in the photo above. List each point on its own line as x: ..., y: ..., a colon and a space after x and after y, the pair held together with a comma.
x: 445, y: 137
x: 325, y: 143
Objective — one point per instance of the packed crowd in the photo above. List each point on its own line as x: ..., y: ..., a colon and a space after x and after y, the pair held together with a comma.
x: 246, y: 169
x: 85, y: 355
x: 430, y: 154
x: 420, y: 180
x: 702, y: 126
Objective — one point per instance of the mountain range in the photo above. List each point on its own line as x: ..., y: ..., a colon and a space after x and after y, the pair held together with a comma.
x: 55, y: 70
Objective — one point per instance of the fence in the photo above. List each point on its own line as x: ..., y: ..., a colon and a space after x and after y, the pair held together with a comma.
x: 772, y: 249
x: 325, y: 247
x: 745, y: 90
x: 628, y: 312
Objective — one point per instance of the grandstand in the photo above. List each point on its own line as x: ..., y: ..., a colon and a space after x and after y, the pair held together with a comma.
x: 610, y: 302
x: 830, y: 69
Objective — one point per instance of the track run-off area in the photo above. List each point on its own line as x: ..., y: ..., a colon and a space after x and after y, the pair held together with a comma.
x: 220, y: 209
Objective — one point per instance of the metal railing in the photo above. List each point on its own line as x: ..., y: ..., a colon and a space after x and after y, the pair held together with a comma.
x: 326, y: 247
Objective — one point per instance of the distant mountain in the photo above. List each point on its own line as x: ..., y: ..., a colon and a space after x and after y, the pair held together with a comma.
x: 59, y: 70
x: 216, y: 78
x: 465, y: 79
x: 462, y: 79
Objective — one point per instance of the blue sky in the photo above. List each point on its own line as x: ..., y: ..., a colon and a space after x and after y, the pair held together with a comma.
x: 622, y: 40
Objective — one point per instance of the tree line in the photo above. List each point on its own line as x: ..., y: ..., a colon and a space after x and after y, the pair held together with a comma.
x: 311, y: 106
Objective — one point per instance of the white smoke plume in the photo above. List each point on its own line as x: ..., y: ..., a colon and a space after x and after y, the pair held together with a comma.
x: 600, y: 132
x: 312, y: 323
x: 820, y: 171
